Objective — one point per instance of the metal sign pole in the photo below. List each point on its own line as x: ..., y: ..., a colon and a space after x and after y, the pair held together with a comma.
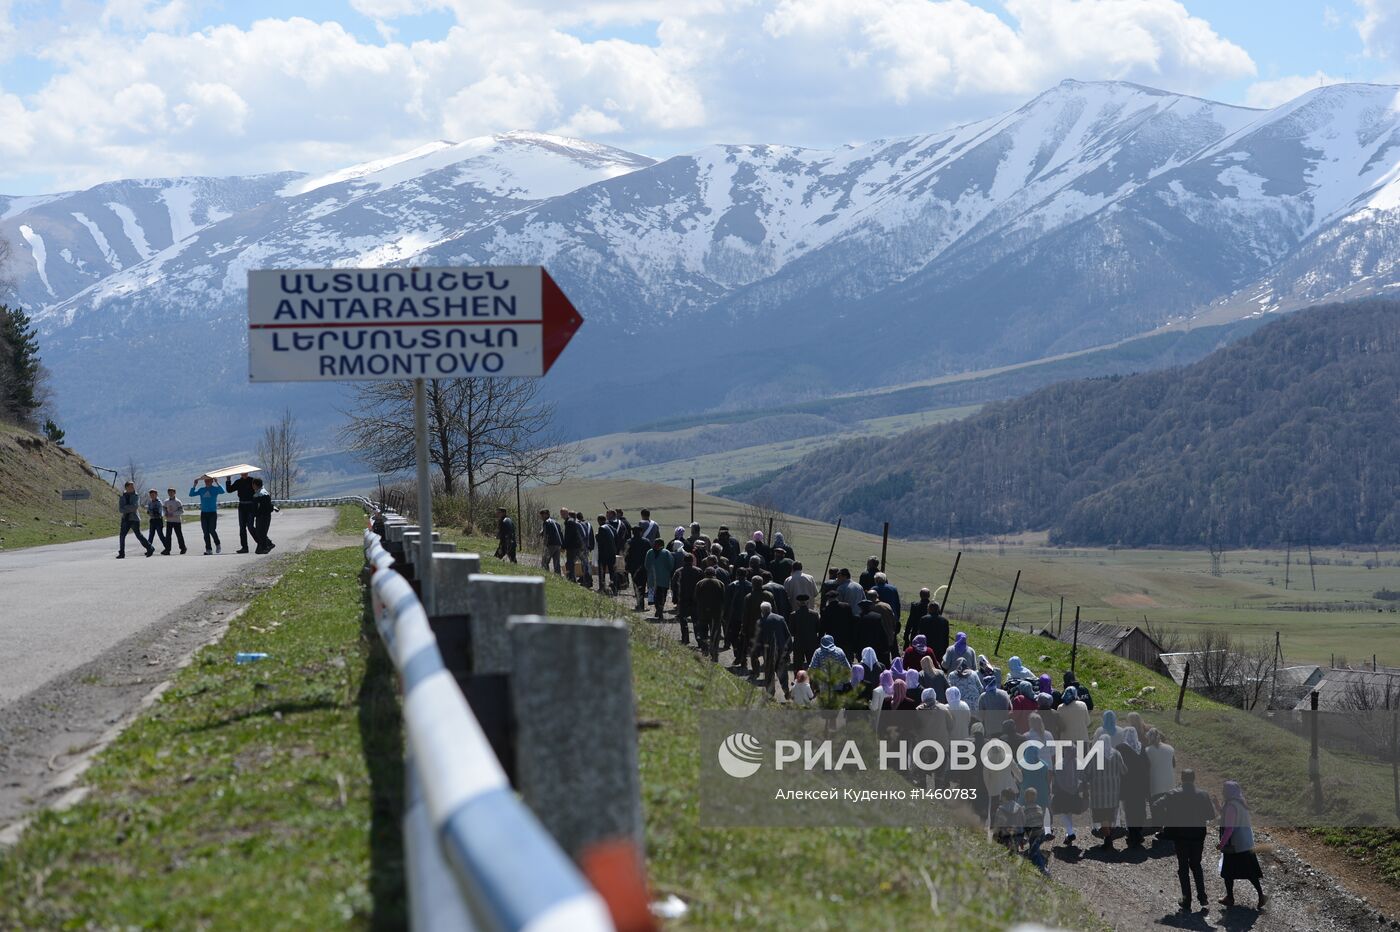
x: 424, y: 565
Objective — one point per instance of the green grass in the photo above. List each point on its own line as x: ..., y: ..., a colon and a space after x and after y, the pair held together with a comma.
x: 32, y: 473
x: 264, y: 795
x: 767, y: 878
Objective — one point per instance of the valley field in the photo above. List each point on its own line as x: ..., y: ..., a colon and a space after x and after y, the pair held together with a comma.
x: 1173, y: 589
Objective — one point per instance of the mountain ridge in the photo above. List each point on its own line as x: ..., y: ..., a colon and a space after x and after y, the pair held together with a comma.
x: 1095, y: 212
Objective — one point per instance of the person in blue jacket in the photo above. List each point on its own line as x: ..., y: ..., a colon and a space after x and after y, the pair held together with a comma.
x: 208, y: 495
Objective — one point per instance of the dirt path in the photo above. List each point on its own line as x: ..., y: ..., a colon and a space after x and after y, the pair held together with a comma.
x: 1309, y: 886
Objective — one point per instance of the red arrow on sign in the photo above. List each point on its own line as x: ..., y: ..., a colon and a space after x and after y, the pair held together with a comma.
x: 561, y: 319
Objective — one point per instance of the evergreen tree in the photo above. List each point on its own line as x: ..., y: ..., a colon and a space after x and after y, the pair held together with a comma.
x: 20, y: 372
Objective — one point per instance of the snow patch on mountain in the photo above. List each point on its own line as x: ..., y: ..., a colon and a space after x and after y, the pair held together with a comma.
x: 132, y: 228
x: 99, y: 239
x: 40, y: 253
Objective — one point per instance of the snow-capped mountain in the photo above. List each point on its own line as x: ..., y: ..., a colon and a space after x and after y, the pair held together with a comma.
x: 1093, y: 213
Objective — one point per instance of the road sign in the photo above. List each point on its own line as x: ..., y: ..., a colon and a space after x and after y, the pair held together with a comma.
x: 73, y: 495
x: 337, y: 325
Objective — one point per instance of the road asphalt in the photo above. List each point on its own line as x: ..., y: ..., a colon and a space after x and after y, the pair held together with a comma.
x: 64, y: 605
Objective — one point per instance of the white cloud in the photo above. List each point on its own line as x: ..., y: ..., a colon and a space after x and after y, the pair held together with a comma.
x: 135, y: 91
x: 1379, y: 27
x: 1271, y: 93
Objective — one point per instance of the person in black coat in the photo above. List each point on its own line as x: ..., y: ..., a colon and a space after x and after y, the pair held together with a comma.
x: 839, y: 622
x: 573, y: 542
x: 635, y: 562
x: 934, y: 627
x: 683, y: 585
x: 870, y: 632
x: 246, y: 507
x: 607, y: 556
x: 806, y: 632
x: 505, y: 536
x: 263, y: 507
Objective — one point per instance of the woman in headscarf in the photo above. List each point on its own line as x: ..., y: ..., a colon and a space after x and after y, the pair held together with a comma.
x: 778, y: 541
x: 930, y: 677
x: 985, y: 668
x: 959, y: 649
x: 993, y: 706
x: 1105, y: 788
x: 960, y: 715
x: 828, y: 669
x: 1018, y: 671
x: 897, y: 667
x: 1036, y: 731
x: 903, y: 700
x: 969, y: 686
x: 1135, y: 721
x: 1109, y: 726
x: 1007, y: 778
x: 1068, y: 798
x: 882, y: 692
x: 1023, y: 704
x: 917, y: 652
x: 1074, y: 717
x: 872, y: 664
x: 860, y: 683
x: 1239, y: 861
x: 1134, y: 789
x: 1045, y: 686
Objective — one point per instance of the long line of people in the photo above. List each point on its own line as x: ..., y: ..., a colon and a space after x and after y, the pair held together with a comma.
x: 843, y: 644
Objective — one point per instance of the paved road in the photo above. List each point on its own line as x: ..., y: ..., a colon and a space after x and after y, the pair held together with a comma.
x: 62, y: 606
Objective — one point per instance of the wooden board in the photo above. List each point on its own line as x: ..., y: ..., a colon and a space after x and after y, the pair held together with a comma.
x: 238, y: 470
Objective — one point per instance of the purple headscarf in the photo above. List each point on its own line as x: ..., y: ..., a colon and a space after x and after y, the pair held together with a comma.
x: 898, y: 666
x: 911, y: 678
x: 961, y: 642
x: 1046, y: 684
x: 887, y: 682
x: 921, y: 642
x: 857, y: 673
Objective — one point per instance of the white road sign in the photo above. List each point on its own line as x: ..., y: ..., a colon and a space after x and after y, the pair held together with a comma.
x: 339, y: 325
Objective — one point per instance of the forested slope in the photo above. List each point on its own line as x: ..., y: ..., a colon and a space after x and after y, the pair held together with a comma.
x: 1291, y: 433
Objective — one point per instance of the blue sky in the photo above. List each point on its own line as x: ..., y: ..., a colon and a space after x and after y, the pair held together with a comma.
x: 92, y: 90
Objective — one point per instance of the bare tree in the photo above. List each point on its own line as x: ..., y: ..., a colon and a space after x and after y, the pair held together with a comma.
x: 1215, y: 665
x: 133, y: 473
x: 280, y: 451
x: 479, y: 430
x: 757, y: 516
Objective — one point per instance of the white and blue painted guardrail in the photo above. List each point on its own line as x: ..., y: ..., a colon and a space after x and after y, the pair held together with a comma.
x: 463, y: 821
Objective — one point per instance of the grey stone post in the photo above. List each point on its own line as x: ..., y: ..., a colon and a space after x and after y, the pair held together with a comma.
x: 576, y: 741
x: 450, y: 574
x: 492, y: 600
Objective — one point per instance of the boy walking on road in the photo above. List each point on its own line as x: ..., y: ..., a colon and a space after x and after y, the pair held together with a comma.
x: 156, y: 512
x: 129, y: 503
x: 208, y: 495
x: 174, y: 521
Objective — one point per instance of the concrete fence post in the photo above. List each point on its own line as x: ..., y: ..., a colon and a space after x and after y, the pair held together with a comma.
x: 491, y: 601
x: 450, y: 574
x: 576, y: 759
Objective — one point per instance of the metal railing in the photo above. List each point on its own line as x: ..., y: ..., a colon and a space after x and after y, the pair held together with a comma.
x: 476, y: 856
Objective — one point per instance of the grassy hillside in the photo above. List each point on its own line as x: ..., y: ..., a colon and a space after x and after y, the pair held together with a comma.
x: 1172, y: 588
x: 33, y: 472
x: 1291, y: 433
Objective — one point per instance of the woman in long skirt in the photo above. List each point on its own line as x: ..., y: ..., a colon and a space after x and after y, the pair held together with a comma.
x: 1236, y: 846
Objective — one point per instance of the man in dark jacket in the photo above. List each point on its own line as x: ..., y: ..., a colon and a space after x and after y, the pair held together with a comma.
x: 129, y: 504
x: 1185, y: 812
x: 607, y: 556
x: 735, y: 593
x: 244, y: 487
x: 684, y: 584
x: 867, y: 578
x: 505, y: 536
x: 635, y: 562
x: 806, y: 632
x: 917, y: 610
x: 932, y: 625
x: 775, y: 641
x: 709, y: 612
x: 553, y: 538
x: 888, y: 594
x: 840, y: 622
x: 573, y: 541
x: 730, y: 544
x: 749, y: 647
x: 870, y: 632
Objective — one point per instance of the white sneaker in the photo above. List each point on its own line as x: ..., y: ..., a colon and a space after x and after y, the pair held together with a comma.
x: 218, y: 548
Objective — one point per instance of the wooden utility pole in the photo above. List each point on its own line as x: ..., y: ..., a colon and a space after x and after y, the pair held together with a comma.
x: 884, y: 545
x: 1314, y: 765
x: 1074, y: 651
x: 827, y: 572
x: 948, y: 589
x: 1004, y: 617
x: 519, y: 517
x: 1311, y: 571
x: 1062, y: 617
x: 692, y: 499
x: 1287, y: 564
x: 1181, y: 696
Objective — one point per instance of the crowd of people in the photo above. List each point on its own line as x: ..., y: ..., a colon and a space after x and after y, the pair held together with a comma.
x: 165, y: 517
x: 849, y: 642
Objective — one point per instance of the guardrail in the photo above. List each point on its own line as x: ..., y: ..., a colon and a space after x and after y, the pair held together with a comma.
x: 476, y: 855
